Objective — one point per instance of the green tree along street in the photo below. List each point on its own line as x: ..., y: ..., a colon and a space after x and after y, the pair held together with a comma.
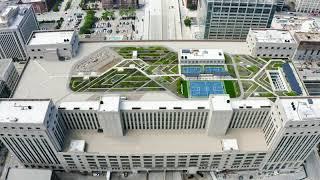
x: 56, y: 6
x: 107, y: 15
x: 187, y: 21
x: 68, y: 5
x: 89, y: 20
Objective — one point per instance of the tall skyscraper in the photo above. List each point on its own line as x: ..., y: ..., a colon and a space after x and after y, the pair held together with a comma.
x: 232, y: 19
x: 16, y: 26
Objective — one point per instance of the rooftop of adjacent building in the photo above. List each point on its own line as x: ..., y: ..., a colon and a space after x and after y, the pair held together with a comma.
x: 301, y: 108
x: 23, y: 111
x: 272, y: 36
x: 296, y: 22
x: 201, y: 54
x: 243, y: 1
x: 11, y: 16
x: 308, y: 70
x: 168, y: 141
x: 4, y: 65
x: 50, y: 37
x: 29, y: 174
x: 307, y: 36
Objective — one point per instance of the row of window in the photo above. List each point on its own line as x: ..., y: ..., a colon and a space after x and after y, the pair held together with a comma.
x: 274, y: 48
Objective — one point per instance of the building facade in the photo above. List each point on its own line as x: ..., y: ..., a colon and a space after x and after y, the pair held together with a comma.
x: 16, y: 26
x: 120, y: 3
x: 232, y: 19
x: 8, y: 78
x: 201, y: 57
x: 123, y: 135
x: 308, y: 46
x: 53, y: 45
x: 307, y: 6
x: 40, y: 6
x: 271, y: 43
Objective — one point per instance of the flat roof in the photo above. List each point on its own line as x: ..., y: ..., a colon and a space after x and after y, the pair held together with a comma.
x: 162, y: 142
x: 307, y: 36
x: 201, y: 54
x: 251, y: 103
x: 272, y: 36
x: 77, y: 146
x: 14, y: 21
x: 4, y: 65
x: 29, y: 174
x: 23, y: 111
x: 169, y: 105
x: 50, y: 37
x: 301, y: 108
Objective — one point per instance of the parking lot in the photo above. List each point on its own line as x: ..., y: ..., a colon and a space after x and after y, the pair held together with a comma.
x: 119, y: 28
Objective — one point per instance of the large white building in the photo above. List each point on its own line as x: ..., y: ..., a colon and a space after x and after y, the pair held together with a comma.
x: 8, y: 77
x: 53, y: 45
x: 201, y: 57
x: 232, y: 19
x: 195, y: 135
x: 307, y: 6
x: 271, y: 43
x: 16, y: 26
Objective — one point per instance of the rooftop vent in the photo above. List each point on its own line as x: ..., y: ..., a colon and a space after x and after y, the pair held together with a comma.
x: 228, y: 101
x: 101, y: 102
x: 13, y: 119
x: 310, y: 101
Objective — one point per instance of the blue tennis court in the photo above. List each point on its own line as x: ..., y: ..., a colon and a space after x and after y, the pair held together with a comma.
x: 205, y: 88
x: 197, y: 70
x: 193, y: 70
x: 212, y: 70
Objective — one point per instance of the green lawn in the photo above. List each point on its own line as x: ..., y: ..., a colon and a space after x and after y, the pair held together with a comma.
x: 232, y: 88
x: 182, y: 87
x: 231, y: 70
x: 228, y: 59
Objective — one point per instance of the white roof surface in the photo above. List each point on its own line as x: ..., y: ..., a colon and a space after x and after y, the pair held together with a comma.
x: 273, y: 36
x: 301, y: 109
x: 50, y: 37
x: 251, y: 103
x: 23, y: 111
x: 230, y: 144
x: 29, y: 174
x: 77, y: 146
x: 202, y: 53
x: 155, y: 105
x: 162, y: 142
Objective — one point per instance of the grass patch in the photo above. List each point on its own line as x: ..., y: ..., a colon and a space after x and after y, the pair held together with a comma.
x: 228, y: 59
x: 232, y: 88
x: 182, y: 87
x: 231, y: 70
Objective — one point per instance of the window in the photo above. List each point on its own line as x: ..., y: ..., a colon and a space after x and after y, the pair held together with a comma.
x: 41, y: 57
x: 65, y: 49
x: 39, y: 49
x: 32, y: 49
